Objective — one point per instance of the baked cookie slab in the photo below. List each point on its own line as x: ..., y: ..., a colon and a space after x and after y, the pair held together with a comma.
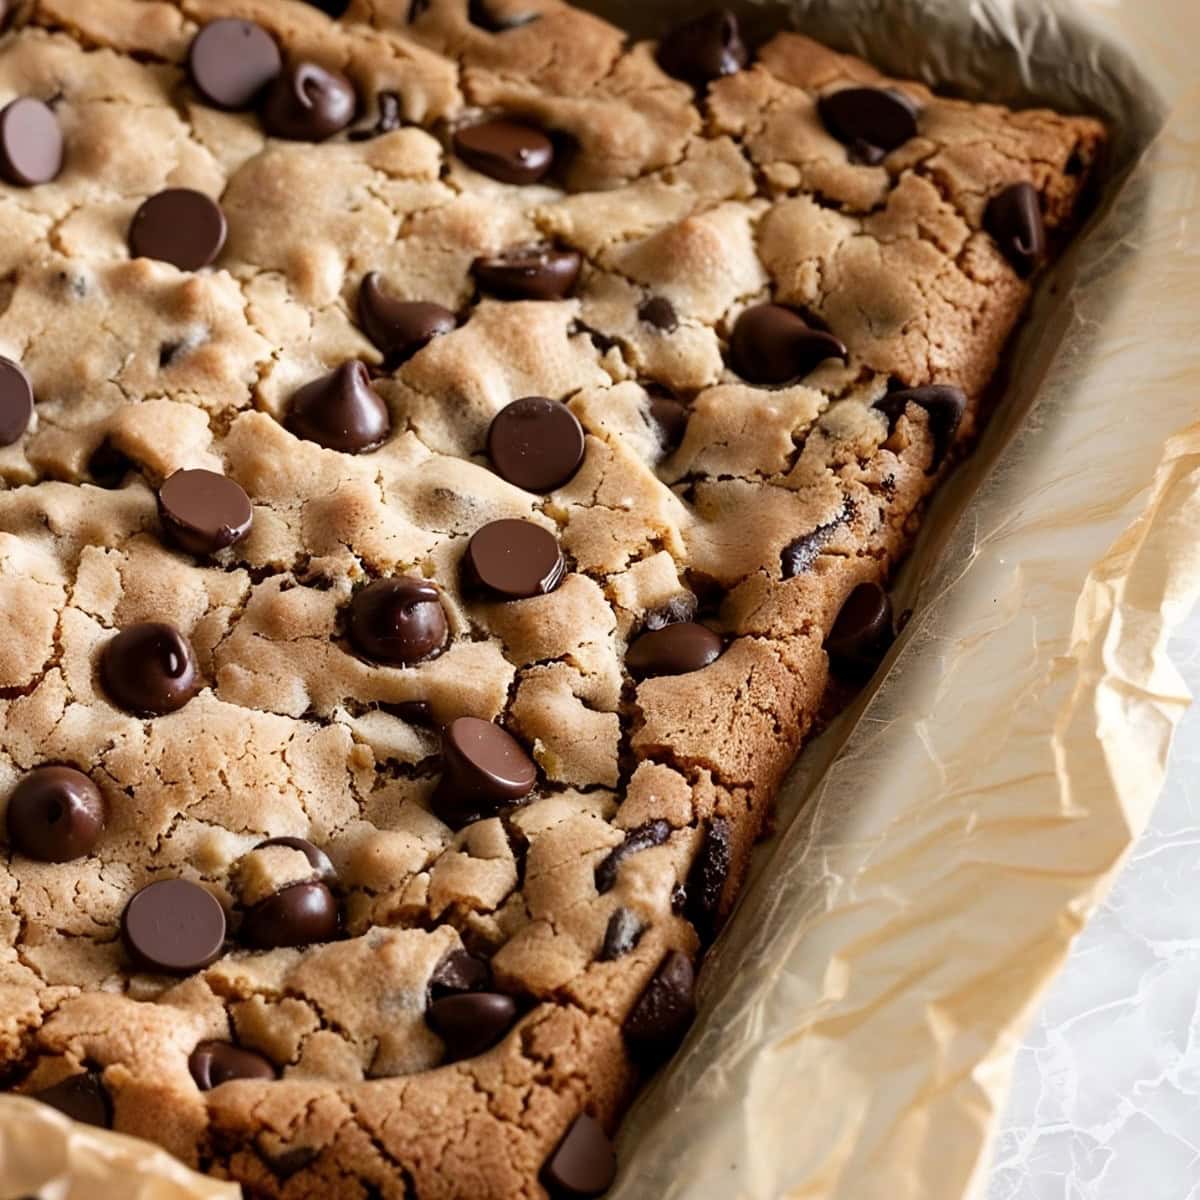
x: 449, y: 459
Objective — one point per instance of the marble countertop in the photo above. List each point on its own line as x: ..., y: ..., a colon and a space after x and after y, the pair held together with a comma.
x: 1105, y: 1102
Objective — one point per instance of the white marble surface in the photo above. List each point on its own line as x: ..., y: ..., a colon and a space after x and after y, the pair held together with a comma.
x: 1106, y: 1094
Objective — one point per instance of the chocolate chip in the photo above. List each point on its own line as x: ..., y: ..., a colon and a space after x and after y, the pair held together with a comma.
x: 317, y: 858
x: 459, y: 972
x: 706, y: 880
x: 149, y: 669
x: 231, y: 61
x: 704, y: 48
x: 31, y: 143
x: 180, y: 226
x: 203, y: 512
x: 299, y: 915
x: 471, y: 1023
x: 798, y: 555
x: 862, y: 632
x: 657, y: 1022
x: 108, y: 466
x: 673, y: 650
x: 484, y: 769
x: 514, y: 560
x: 507, y: 150
x: 308, y: 103
x: 659, y: 312
x: 55, y: 814
x: 653, y: 833
x: 415, y: 712
x: 1014, y: 218
x: 671, y: 417
x: 771, y: 344
x: 535, y: 444
x: 583, y: 1165
x: 399, y: 328
x: 341, y: 411
x: 621, y: 934
x: 398, y: 621
x: 174, y: 926
x: 82, y: 1097
x: 481, y: 14
x: 529, y: 273
x: 872, y: 121
x: 331, y: 8
x: 16, y: 402
x: 215, y: 1063
x: 390, y: 119
x: 944, y: 407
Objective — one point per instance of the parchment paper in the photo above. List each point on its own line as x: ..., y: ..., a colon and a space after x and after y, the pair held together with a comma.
x: 944, y: 840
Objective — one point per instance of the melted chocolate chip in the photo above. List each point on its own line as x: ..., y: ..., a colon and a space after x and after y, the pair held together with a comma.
x: 55, y: 814
x: 307, y: 103
x: 398, y: 621
x: 944, y: 407
x: 149, y: 669
x: 231, y: 61
x: 16, y: 402
x: 704, y: 48
x: 215, y: 1063
x: 507, y: 150
x: 657, y: 1022
x: 1014, y: 218
x: 484, y: 15
x: 459, y: 972
x: 472, y: 1022
x: 317, y: 858
x: 872, y: 121
x: 772, y: 345
x: 583, y: 1165
x: 621, y: 934
x: 659, y: 312
x: 173, y: 926
x: 673, y: 650
x: 862, y: 632
x: 299, y: 915
x: 203, y: 512
x: 390, y: 119
x: 484, y: 769
x: 654, y: 833
x: 706, y: 880
x: 31, y: 143
x: 341, y: 411
x: 180, y: 226
x: 82, y: 1097
x: 399, y: 328
x: 514, y: 560
x: 536, y: 444
x: 529, y: 273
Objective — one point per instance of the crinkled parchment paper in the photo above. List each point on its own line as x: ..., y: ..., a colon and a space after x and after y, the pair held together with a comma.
x: 944, y: 840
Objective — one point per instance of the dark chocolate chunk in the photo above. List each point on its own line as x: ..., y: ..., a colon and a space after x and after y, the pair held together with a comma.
x: 82, y: 1097
x: 55, y: 814
x: 943, y: 405
x: 862, y: 632
x: 231, y: 61
x: 389, y: 120
x: 773, y: 345
x: 583, y: 1165
x: 503, y: 149
x: 459, y: 972
x: 673, y: 650
x: 1014, y: 218
x: 317, y: 857
x: 704, y: 48
x: 341, y: 411
x: 706, y: 880
x: 484, y: 769
x: 653, y: 833
x: 203, y: 512
x: 174, y: 926
x: 529, y: 273
x: 514, y: 559
x: 621, y: 934
x: 308, y: 103
x: 215, y: 1063
x: 872, y: 121
x: 180, y: 226
x: 299, y: 915
x: 398, y: 621
x: 149, y: 669
x: 16, y: 402
x: 399, y: 328
x: 472, y: 1022
x: 535, y: 444
x: 657, y: 1022
x: 659, y: 312
x: 31, y: 143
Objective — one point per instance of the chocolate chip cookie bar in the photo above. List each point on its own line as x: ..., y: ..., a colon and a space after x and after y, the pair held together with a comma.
x: 451, y: 457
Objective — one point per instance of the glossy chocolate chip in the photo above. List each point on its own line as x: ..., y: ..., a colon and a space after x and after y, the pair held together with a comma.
x: 174, y: 926
x: 215, y: 1063
x: 673, y: 650
x: 671, y: 417
x: 471, y: 1023
x: 31, y: 143
x: 459, y: 972
x: 871, y: 121
x: 81, y: 1097
x: 231, y: 61
x: 653, y: 833
x: 55, y: 814
x: 307, y: 103
x: 706, y: 880
x: 398, y: 621
x: 657, y: 1022
x: 149, y: 669
x: 507, y: 150
x: 660, y: 313
x: 944, y: 407
x: 484, y: 769
x: 529, y: 273
x: 862, y: 632
x: 773, y: 345
x: 203, y: 512
x: 1014, y: 218
x: 583, y: 1165
x: 341, y: 411
x: 318, y: 859
x: 704, y: 48
x: 299, y: 915
x: 535, y: 444
x: 484, y: 15
x: 399, y: 328
x: 389, y: 120
x: 180, y: 226
x: 16, y: 402
x: 514, y: 560
x: 620, y: 934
